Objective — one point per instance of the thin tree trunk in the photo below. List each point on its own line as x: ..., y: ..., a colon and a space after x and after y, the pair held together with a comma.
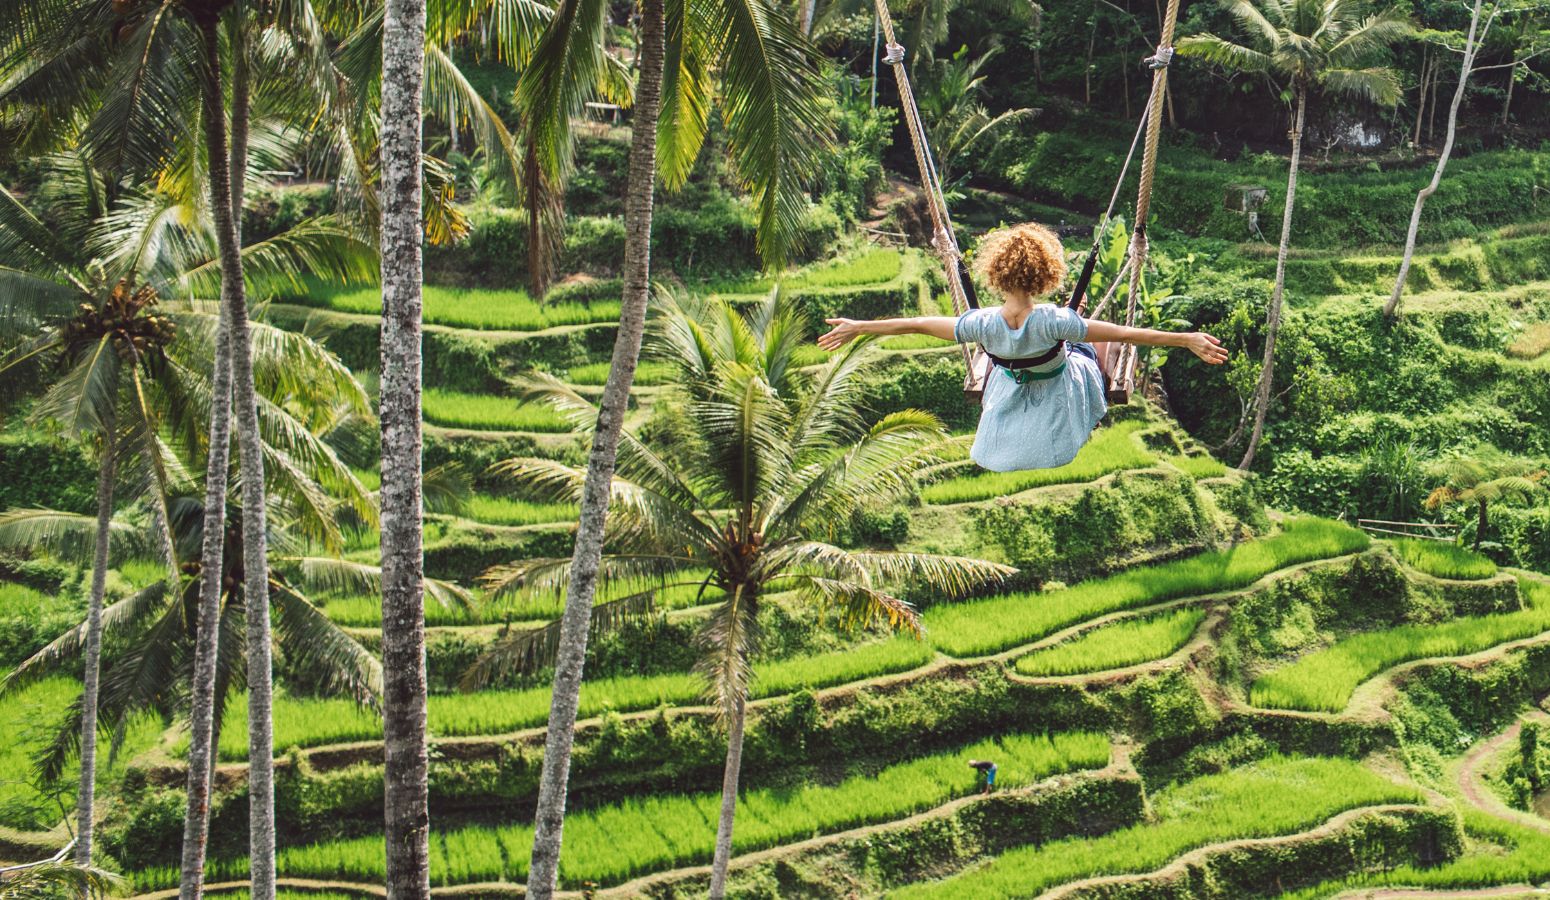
x: 212, y: 551
x: 550, y: 818
x: 1431, y: 107
x: 540, y: 259
x: 1420, y: 103
x: 406, y: 760
x: 1273, y: 324
x: 1087, y: 71
x: 808, y: 7
x: 86, y: 797
x: 1480, y: 525
x: 1470, y: 47
x: 729, y: 778
x: 1512, y: 73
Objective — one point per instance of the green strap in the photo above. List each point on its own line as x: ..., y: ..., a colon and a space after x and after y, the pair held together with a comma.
x: 1023, y: 376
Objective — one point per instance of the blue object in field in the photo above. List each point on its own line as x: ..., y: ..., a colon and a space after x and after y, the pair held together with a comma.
x: 1028, y: 422
x: 990, y: 776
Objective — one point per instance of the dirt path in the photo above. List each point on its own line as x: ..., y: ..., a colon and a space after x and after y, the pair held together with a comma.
x: 1507, y: 890
x: 1483, y: 798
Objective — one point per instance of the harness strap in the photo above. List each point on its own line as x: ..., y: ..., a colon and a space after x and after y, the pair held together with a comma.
x: 1025, y: 377
x: 1027, y: 362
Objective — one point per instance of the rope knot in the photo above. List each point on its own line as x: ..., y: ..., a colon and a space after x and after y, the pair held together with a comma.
x: 1160, y: 59
x: 942, y: 241
x: 894, y: 54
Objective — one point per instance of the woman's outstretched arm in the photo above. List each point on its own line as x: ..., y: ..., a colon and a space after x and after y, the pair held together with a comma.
x: 847, y: 330
x: 1199, y: 343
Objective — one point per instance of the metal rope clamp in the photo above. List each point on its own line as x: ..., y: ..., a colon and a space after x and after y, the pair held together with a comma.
x: 894, y: 54
x: 1160, y: 59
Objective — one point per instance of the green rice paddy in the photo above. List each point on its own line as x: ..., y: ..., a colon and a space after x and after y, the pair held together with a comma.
x: 1444, y: 560
x: 1111, y: 449
x: 483, y: 412
x: 471, y: 307
x: 1116, y: 646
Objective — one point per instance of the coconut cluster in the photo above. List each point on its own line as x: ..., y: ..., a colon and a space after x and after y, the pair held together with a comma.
x: 124, y: 319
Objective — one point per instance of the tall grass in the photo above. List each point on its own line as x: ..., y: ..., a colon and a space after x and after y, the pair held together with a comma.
x: 313, y: 722
x: 1271, y: 797
x: 612, y: 843
x: 29, y: 719
x: 455, y: 409
x: 874, y: 266
x: 1325, y: 679
x: 493, y: 510
x: 980, y: 627
x: 1116, y: 646
x: 471, y: 307
x: 21, y: 601
x: 1444, y: 560
x: 1111, y: 449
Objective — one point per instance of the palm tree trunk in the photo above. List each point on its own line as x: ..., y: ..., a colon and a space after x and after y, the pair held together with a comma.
x: 729, y: 778
x: 1273, y: 324
x: 1480, y: 524
x: 212, y: 550
x: 255, y: 537
x: 1390, y: 308
x: 86, y: 797
x: 540, y: 261
x: 808, y: 6
x: 406, y: 801
x: 549, y: 821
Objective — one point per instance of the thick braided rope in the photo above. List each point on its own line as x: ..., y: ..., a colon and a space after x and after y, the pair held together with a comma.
x: 1125, y: 364
x: 945, y: 241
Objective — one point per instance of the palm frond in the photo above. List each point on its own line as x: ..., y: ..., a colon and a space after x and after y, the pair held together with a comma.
x: 341, y: 663
x: 550, y: 576
x: 525, y: 652
x: 860, y: 606
x: 145, y: 115
x: 64, y: 652
x: 776, y: 127
x: 340, y: 576
x: 322, y: 247
x: 561, y: 75
x: 82, y: 400
x: 1378, y: 85
x: 448, y: 89
x: 65, y: 534
x: 1229, y: 55
x: 686, y: 99
x: 728, y: 640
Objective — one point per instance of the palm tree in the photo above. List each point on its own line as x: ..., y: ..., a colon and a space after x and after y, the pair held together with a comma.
x: 85, y: 275
x: 775, y: 127
x: 777, y: 458
x: 406, y: 757
x: 153, y: 632
x: 957, y: 121
x: 1485, y: 479
x: 1315, y: 47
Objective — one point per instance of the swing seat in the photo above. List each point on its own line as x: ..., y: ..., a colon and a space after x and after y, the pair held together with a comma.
x: 978, y: 373
x: 1116, y: 361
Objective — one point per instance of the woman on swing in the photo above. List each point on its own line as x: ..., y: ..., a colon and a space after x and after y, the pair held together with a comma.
x: 1033, y: 416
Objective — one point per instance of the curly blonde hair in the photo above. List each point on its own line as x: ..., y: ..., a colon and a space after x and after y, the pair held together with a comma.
x: 1022, y: 259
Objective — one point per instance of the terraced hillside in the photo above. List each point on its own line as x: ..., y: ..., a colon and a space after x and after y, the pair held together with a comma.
x: 1180, y: 687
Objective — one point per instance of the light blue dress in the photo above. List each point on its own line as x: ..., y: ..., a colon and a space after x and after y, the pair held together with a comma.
x: 1040, y: 423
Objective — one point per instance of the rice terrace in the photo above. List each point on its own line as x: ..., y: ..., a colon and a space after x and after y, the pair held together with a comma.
x: 771, y: 449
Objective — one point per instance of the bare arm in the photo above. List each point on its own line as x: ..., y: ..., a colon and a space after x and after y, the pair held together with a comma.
x: 846, y: 330
x: 1199, y: 343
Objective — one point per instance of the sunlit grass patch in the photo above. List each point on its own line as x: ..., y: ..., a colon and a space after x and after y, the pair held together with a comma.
x: 874, y: 266
x: 1111, y: 449
x: 1272, y: 797
x: 455, y: 409
x: 493, y: 510
x: 1533, y: 343
x: 1116, y: 646
x: 979, y: 627
x: 472, y: 307
x: 1199, y: 466
x: 1324, y: 680
x: 648, y: 373
x: 1444, y: 560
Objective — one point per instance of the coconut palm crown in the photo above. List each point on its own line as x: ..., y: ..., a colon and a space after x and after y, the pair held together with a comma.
x: 778, y: 458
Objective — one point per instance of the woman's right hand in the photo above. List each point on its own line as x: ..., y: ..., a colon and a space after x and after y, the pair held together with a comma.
x: 845, y: 331
x: 1206, y: 347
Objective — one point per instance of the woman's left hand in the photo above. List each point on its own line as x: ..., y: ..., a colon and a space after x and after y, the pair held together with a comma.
x: 845, y: 331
